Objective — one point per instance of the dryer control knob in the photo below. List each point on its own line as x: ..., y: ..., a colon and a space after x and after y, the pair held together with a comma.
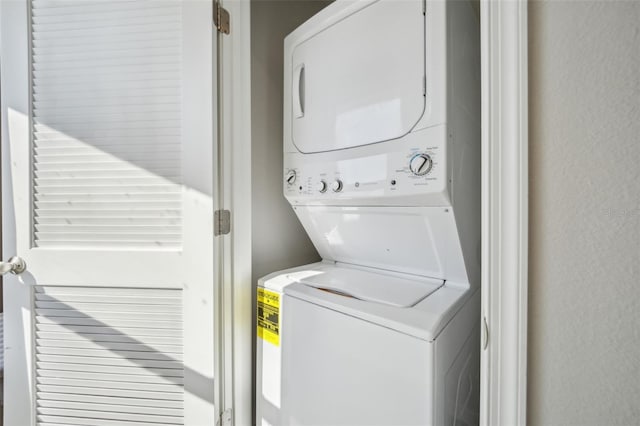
x: 290, y: 177
x: 322, y: 186
x: 420, y: 164
x: 336, y: 186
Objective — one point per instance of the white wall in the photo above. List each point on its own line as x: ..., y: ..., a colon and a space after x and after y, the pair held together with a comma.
x: 584, y: 288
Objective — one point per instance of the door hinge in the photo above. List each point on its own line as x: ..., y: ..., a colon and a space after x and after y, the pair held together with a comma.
x: 221, y: 18
x: 222, y: 222
x: 225, y: 417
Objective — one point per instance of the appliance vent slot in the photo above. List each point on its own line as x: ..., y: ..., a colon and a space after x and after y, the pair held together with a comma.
x: 106, y: 129
x: 108, y: 356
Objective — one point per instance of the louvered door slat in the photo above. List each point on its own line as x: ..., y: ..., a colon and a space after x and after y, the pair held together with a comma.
x: 119, y: 313
x: 158, y: 411
x: 44, y: 420
x: 130, y: 306
x: 135, y: 378
x: 105, y: 391
x: 121, y: 385
x: 106, y: 92
x: 71, y: 7
x: 78, y: 112
x: 53, y: 398
x: 122, y: 321
x: 110, y: 353
x: 113, y: 364
x: 175, y: 375
x: 110, y: 415
x: 110, y: 297
x: 129, y: 331
x: 132, y: 31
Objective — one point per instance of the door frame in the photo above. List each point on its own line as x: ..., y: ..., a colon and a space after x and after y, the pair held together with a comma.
x: 235, y: 143
x: 504, y: 208
x: 503, y: 391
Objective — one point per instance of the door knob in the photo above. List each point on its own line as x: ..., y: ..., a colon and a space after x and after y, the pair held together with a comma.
x: 16, y: 265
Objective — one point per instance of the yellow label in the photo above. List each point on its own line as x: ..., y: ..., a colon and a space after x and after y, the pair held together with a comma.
x: 269, y: 316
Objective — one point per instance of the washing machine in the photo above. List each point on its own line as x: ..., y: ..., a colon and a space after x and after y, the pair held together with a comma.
x: 382, y: 168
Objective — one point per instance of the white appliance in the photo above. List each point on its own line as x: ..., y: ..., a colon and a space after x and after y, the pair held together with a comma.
x: 382, y: 167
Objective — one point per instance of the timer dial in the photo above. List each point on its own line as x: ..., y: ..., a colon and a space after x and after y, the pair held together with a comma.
x: 290, y: 177
x: 420, y: 164
x: 321, y: 186
x: 336, y: 186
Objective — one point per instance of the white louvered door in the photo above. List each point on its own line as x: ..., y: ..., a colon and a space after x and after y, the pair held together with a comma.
x: 107, y: 191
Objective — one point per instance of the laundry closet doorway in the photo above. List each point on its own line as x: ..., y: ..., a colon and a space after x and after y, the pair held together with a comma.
x: 504, y: 195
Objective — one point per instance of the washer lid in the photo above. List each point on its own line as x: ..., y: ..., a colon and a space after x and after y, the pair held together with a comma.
x: 378, y: 287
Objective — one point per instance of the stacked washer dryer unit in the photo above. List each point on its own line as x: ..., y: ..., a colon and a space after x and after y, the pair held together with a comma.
x: 382, y: 167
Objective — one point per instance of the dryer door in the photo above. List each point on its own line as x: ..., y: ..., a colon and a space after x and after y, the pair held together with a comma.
x: 360, y: 80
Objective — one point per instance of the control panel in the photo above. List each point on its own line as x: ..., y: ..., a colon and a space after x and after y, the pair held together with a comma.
x: 418, y: 170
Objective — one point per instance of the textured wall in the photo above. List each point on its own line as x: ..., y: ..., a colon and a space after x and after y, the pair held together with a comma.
x: 584, y: 287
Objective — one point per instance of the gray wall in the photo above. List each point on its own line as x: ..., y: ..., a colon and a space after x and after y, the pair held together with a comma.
x: 278, y: 240
x: 584, y: 283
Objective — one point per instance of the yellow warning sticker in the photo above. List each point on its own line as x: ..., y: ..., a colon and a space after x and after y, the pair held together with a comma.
x: 269, y: 316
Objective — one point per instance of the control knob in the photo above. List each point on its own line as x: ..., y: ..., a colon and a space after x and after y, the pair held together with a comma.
x: 420, y: 164
x: 336, y: 186
x: 290, y: 177
x: 322, y: 186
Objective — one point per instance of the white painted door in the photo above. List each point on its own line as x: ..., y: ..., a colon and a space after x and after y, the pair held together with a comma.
x: 107, y: 192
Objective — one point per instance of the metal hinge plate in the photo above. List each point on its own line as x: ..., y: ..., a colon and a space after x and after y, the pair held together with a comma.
x: 226, y: 417
x: 221, y: 18
x: 222, y: 222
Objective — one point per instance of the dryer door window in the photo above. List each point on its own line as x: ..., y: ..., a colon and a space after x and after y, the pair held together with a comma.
x: 361, y: 80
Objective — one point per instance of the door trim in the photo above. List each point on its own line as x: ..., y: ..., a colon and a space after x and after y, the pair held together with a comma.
x: 504, y: 212
x: 236, y: 147
x: 504, y: 208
